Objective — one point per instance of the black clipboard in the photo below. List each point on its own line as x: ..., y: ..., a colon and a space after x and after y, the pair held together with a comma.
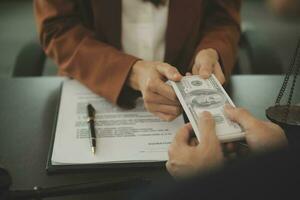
x: 56, y: 169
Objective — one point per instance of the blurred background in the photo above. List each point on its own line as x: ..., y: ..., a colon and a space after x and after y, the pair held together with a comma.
x: 267, y: 44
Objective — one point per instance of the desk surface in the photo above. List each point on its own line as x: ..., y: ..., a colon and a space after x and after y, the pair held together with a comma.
x: 27, y: 117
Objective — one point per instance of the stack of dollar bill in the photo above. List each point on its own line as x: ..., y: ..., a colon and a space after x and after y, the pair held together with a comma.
x: 197, y: 95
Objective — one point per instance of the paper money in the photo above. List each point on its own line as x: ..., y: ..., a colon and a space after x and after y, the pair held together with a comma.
x: 197, y: 95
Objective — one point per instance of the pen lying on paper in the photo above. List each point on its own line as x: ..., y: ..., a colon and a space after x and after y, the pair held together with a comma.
x: 91, y: 120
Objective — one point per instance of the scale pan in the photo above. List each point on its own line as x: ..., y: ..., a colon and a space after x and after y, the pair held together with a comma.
x: 284, y: 115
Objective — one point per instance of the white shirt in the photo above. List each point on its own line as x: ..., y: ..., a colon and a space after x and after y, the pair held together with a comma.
x: 144, y: 28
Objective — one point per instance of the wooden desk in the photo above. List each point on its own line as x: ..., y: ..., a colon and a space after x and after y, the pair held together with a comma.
x: 27, y: 115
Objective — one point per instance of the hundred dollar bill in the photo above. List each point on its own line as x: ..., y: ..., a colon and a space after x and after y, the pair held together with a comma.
x: 197, y: 95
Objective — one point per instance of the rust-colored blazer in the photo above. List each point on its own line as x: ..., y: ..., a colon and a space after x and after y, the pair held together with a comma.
x: 93, y: 55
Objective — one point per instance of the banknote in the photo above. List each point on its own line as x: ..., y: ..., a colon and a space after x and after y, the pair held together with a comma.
x: 197, y: 95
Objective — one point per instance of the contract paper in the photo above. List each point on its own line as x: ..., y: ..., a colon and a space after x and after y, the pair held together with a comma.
x: 123, y: 136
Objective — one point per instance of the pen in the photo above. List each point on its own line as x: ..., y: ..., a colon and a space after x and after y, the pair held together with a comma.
x: 91, y: 120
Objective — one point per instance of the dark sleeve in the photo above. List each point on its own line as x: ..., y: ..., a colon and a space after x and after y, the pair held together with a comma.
x: 271, y: 176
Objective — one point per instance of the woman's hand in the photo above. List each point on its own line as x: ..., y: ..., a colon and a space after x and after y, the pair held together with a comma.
x: 159, y: 97
x: 207, y: 63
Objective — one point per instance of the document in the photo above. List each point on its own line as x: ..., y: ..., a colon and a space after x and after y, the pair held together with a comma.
x: 123, y: 136
x: 197, y: 95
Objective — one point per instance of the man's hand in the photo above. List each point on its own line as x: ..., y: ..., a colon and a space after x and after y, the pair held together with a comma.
x: 207, y: 63
x: 159, y: 98
x: 260, y: 135
x: 187, y: 157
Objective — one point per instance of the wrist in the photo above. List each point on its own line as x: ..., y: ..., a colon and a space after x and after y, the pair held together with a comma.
x: 133, y: 78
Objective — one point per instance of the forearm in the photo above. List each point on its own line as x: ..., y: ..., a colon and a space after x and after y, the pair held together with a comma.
x: 78, y: 54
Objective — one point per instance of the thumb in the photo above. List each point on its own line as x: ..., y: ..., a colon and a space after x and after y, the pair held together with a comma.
x: 241, y: 116
x: 206, y: 69
x: 168, y: 71
x: 183, y: 135
x: 207, y: 129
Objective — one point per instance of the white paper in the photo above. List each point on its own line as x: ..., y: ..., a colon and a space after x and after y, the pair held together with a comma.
x: 122, y: 135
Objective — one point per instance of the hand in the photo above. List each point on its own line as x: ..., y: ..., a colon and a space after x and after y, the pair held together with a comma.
x: 187, y: 157
x: 207, y: 63
x: 159, y: 98
x: 260, y: 135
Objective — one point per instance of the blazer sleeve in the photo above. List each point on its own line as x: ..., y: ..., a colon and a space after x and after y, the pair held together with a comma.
x: 77, y: 52
x: 222, y: 31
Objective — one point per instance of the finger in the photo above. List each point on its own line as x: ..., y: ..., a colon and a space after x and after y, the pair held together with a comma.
x: 168, y: 71
x: 195, y: 69
x: 194, y: 141
x: 206, y: 69
x: 171, y: 168
x: 207, y: 129
x: 154, y: 98
x: 163, y: 89
x: 219, y: 73
x: 189, y: 127
x: 168, y: 167
x: 240, y: 115
x: 231, y: 147
x: 164, y: 116
x: 183, y: 135
x: 166, y: 109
